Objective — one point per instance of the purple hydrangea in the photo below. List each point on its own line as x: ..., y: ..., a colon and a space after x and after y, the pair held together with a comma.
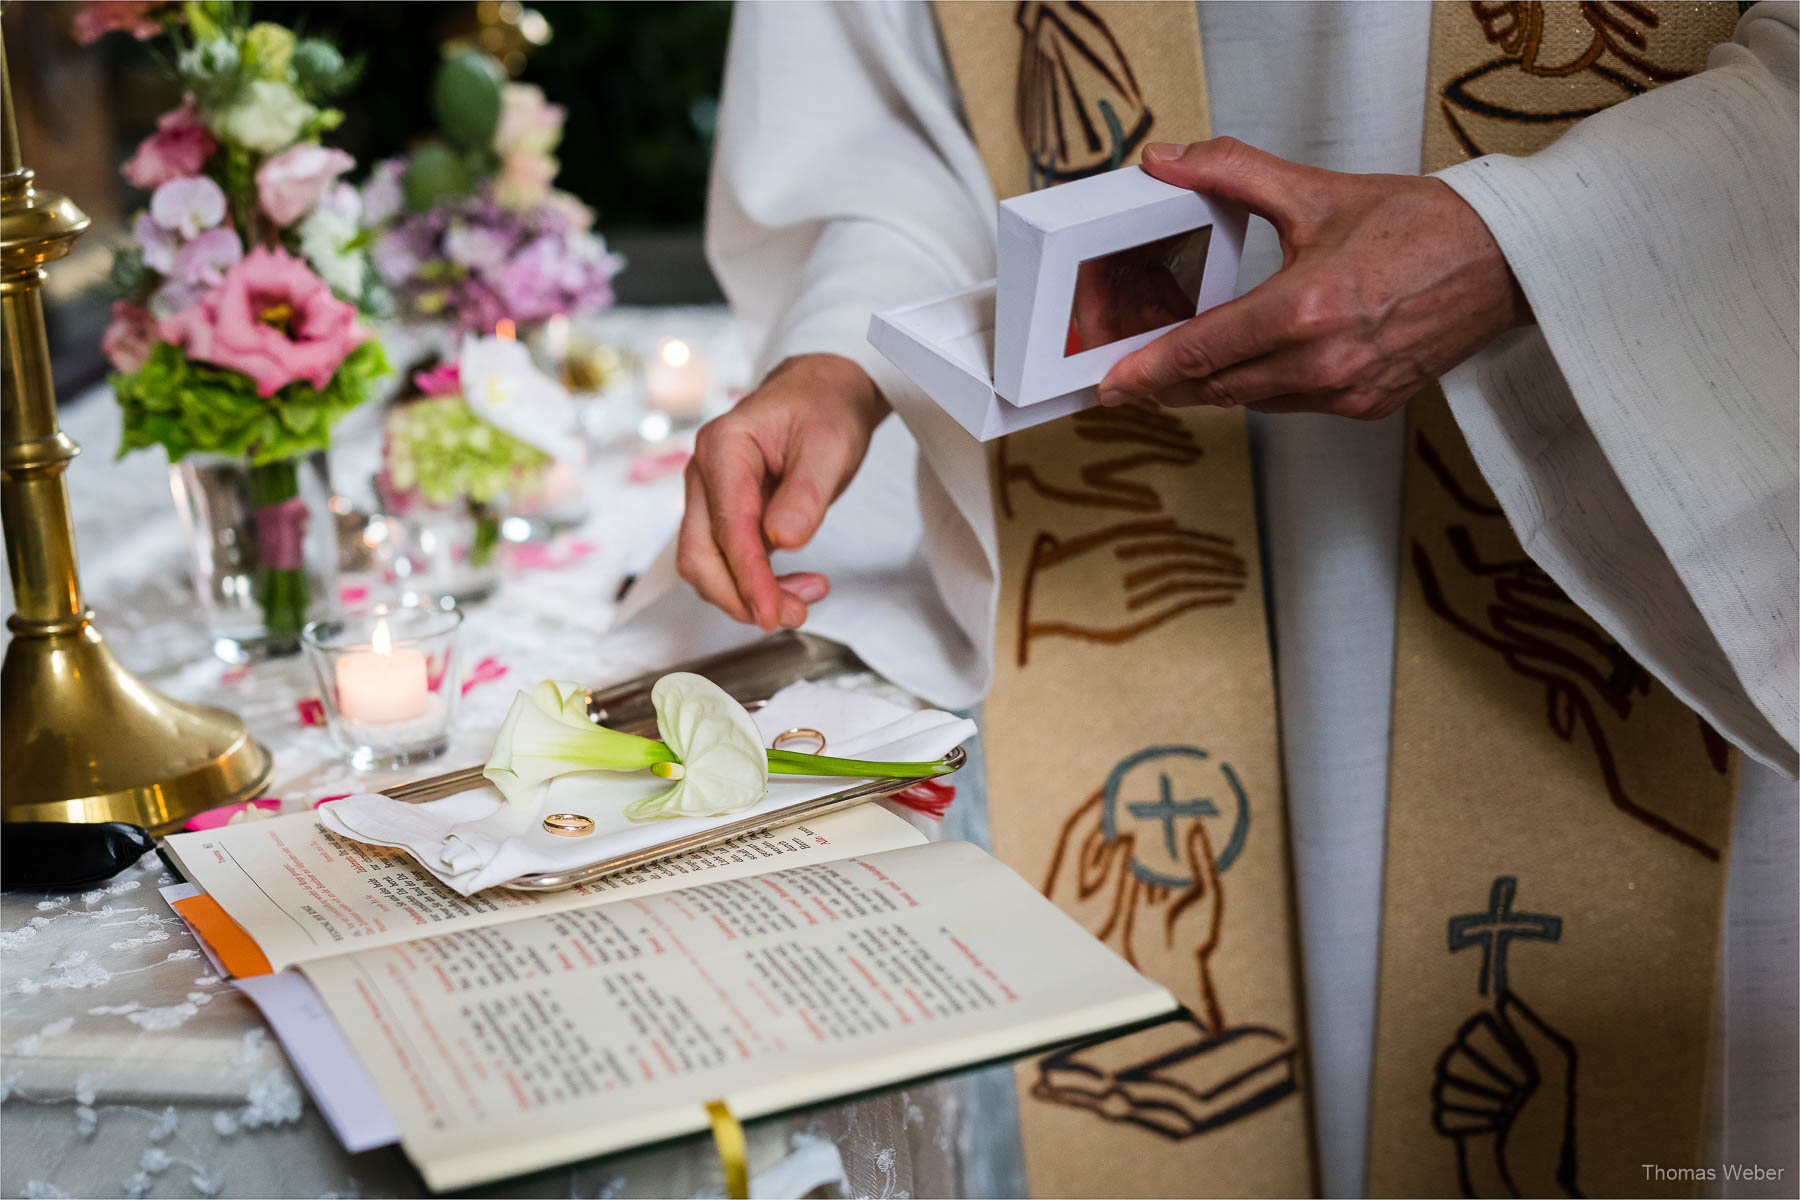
x: 471, y: 262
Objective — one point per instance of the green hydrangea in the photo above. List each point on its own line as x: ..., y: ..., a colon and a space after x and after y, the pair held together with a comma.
x: 439, y: 448
x: 186, y: 406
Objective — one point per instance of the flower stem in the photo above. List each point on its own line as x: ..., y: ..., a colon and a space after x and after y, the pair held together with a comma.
x: 281, y: 585
x: 487, y: 534
x: 786, y: 762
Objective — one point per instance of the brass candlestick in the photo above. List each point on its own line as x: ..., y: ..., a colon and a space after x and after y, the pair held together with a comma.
x: 83, y: 739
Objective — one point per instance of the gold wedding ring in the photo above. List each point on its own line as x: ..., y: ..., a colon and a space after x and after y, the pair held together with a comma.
x: 799, y: 733
x: 569, y: 824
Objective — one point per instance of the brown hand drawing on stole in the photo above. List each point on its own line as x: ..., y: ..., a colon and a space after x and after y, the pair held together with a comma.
x: 1136, y: 865
x: 1078, y: 105
x: 1138, y: 438
x: 1477, y: 578
x: 1560, y: 62
x: 1161, y: 569
x: 1504, y: 1088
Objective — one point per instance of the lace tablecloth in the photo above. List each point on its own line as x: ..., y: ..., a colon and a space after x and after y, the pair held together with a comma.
x: 130, y: 1069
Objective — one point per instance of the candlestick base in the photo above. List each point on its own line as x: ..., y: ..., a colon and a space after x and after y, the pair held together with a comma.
x: 85, y: 740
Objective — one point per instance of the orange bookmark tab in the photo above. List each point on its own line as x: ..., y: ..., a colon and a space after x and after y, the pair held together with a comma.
x: 235, y: 948
x: 734, y: 1160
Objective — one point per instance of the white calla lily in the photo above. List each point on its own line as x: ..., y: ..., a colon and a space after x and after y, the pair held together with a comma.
x: 724, y: 768
x: 547, y: 733
x: 711, y: 750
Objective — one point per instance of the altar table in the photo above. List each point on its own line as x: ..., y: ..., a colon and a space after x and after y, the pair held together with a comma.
x: 130, y: 1069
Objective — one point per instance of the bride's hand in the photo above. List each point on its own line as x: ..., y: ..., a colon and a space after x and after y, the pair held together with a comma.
x: 761, y: 479
x: 1387, y: 281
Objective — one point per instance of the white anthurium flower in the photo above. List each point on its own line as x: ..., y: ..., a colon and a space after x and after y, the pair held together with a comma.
x: 722, y: 765
x: 547, y: 733
x: 505, y: 388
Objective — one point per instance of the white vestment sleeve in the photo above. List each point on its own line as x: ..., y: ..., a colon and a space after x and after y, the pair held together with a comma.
x: 1642, y: 438
x: 844, y: 183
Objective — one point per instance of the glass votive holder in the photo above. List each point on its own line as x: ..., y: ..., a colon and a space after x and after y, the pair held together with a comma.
x: 389, y: 677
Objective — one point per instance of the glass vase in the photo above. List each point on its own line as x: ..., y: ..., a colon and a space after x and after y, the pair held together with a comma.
x: 449, y: 551
x: 262, y: 548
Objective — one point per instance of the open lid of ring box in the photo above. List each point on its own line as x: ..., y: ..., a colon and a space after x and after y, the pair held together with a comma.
x: 1088, y: 272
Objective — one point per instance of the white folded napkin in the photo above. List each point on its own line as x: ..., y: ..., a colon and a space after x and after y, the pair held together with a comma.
x: 474, y: 840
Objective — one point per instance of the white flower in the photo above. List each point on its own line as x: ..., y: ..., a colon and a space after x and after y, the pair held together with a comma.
x: 157, y: 245
x: 344, y: 200
x: 268, y: 117
x: 504, y: 387
x: 547, y: 733
x: 724, y: 768
x: 326, y: 238
x: 188, y: 206
x: 710, y: 748
x: 216, y: 58
x: 528, y: 122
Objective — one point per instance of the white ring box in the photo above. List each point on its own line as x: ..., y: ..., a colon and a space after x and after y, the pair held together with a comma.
x: 1011, y: 353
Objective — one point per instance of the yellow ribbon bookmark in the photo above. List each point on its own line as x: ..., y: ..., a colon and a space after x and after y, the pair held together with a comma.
x: 734, y: 1160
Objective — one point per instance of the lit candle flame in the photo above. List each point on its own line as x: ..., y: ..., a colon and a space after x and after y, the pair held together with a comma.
x: 503, y: 329
x: 380, y: 641
x: 675, y: 352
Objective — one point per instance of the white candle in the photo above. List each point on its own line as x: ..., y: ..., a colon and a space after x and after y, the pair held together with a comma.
x: 676, y: 380
x: 556, y: 339
x: 382, y: 685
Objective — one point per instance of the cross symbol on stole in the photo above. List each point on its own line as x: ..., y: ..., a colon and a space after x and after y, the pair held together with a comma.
x: 1499, y: 925
x: 1166, y: 809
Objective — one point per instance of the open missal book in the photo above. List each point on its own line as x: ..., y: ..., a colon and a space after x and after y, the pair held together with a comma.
x: 507, y: 1032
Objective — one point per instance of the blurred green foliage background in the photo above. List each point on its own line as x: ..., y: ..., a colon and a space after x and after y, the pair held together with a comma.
x: 640, y: 82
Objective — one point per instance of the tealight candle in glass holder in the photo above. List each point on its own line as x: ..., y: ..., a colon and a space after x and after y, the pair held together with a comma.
x: 390, y: 677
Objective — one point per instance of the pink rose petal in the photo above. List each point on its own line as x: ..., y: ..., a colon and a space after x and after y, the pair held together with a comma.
x: 214, y: 818
x: 646, y: 467
x: 486, y: 671
x: 928, y: 796
x: 554, y: 556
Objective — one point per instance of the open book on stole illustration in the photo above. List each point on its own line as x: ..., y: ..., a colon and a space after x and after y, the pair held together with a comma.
x: 507, y: 1032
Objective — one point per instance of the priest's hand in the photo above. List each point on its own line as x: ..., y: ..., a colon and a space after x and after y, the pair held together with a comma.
x: 761, y: 479
x: 1387, y: 282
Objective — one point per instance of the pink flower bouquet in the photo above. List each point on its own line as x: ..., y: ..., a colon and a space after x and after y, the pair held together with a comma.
x: 240, y: 330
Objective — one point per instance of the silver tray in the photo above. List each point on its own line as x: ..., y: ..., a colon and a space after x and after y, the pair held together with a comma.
x: 751, y: 675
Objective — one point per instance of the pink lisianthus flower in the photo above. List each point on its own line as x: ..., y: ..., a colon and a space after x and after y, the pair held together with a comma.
x: 98, y: 19
x: 179, y: 148
x: 289, y: 185
x: 128, y: 339
x: 272, y: 319
x: 445, y: 379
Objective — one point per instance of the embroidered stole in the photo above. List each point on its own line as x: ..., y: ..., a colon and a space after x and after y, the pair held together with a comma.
x: 1556, y: 821
x: 1146, y: 800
